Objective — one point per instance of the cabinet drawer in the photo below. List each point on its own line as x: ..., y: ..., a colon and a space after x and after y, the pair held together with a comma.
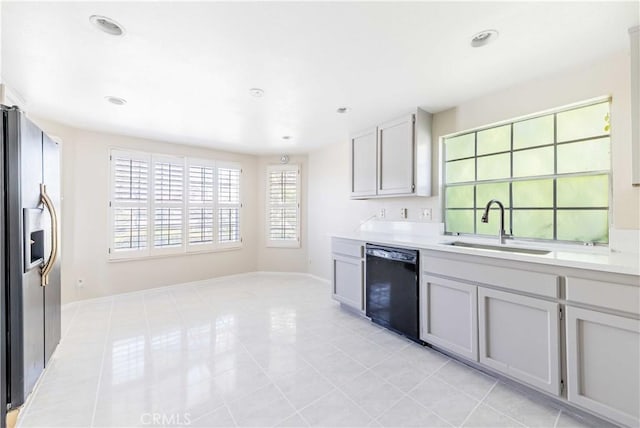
x: 542, y: 284
x: 347, y: 247
x: 620, y: 297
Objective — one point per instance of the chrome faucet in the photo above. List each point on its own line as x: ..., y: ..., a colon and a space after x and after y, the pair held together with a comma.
x: 502, y: 235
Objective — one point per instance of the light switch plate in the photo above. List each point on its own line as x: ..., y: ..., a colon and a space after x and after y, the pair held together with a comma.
x: 403, y: 213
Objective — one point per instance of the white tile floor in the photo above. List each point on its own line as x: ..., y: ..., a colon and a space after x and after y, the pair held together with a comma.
x: 258, y: 350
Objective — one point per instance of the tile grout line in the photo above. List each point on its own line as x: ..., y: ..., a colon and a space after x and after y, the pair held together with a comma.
x: 495, y: 409
x: 555, y: 425
x: 233, y: 418
x: 104, y: 354
x: 225, y: 403
x: 479, y: 403
x: 482, y: 401
x: 495, y: 380
x: 504, y: 414
x: 71, y: 321
x: 336, y: 386
x: 406, y: 394
x: 275, y: 385
x: 432, y: 375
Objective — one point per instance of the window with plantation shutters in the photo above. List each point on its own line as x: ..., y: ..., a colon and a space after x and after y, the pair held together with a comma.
x: 283, y: 206
x: 168, y: 205
x: 228, y: 204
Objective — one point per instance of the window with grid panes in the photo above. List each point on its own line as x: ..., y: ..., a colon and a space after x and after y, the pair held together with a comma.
x: 283, y: 206
x: 551, y: 172
x: 166, y: 204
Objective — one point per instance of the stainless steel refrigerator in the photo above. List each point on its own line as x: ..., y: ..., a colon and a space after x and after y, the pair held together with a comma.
x: 30, y: 268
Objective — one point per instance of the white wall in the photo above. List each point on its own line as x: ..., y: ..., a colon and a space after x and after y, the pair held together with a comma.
x: 331, y: 211
x: 84, y: 213
x: 282, y: 259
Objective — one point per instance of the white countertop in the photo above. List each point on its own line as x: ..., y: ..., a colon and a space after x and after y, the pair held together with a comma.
x: 593, y: 258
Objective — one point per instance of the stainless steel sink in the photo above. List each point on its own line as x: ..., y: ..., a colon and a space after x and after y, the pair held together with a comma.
x: 498, y: 248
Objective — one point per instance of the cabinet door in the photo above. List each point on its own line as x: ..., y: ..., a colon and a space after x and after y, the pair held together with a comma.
x: 364, y: 164
x: 520, y: 336
x: 348, y: 284
x: 603, y: 353
x: 395, y: 157
x: 448, y: 315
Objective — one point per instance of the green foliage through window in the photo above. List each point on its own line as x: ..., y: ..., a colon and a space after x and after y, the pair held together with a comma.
x: 551, y: 172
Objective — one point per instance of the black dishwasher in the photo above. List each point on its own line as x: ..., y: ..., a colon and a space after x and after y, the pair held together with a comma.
x: 392, y: 289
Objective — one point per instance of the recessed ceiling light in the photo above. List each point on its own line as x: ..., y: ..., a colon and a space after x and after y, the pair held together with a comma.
x: 256, y: 92
x: 116, y: 100
x: 107, y: 25
x: 343, y: 110
x: 483, y: 38
x: 287, y: 137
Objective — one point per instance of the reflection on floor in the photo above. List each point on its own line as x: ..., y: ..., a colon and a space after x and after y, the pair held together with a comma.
x: 258, y: 350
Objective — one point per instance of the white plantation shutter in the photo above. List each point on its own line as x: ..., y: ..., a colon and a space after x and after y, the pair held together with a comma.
x: 200, y: 226
x: 129, y: 202
x: 228, y: 204
x: 167, y: 204
x: 130, y: 228
x: 283, y: 206
x: 168, y: 190
x: 131, y: 178
x: 201, y: 204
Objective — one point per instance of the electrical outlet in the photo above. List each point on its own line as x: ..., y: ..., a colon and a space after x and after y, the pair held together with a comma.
x: 80, y: 283
x: 403, y: 213
x: 426, y: 214
x: 382, y: 213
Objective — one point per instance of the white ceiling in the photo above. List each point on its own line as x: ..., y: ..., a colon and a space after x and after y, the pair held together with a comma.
x: 186, y: 68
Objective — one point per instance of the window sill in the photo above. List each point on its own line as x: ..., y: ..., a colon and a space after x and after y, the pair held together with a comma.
x: 222, y: 249
x: 290, y: 245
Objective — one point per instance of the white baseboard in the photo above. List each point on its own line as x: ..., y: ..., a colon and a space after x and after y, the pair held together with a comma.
x: 194, y: 283
x: 159, y: 288
x: 319, y: 278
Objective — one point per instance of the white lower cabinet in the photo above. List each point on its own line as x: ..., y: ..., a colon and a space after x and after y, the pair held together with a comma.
x: 348, y: 284
x: 603, y: 364
x: 448, y: 315
x: 520, y: 337
x: 348, y: 272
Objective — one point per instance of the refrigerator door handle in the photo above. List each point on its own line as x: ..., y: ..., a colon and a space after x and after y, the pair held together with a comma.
x: 48, y: 203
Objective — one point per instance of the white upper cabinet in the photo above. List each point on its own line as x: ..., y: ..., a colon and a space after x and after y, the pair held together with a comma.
x: 364, y: 160
x: 393, y: 159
